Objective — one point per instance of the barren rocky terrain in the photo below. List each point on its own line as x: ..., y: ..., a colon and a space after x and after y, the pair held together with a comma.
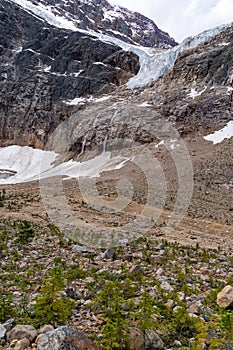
x: 137, y: 256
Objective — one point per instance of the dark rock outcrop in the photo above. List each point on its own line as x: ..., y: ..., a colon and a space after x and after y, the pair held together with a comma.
x: 116, y: 21
x: 42, y: 67
x: 197, y: 93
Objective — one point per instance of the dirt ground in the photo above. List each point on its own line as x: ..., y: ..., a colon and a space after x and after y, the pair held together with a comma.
x: 207, y: 221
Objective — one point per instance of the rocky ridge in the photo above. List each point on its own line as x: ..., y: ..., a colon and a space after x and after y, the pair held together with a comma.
x: 100, y: 16
x: 46, y: 64
x: 195, y: 95
x: 74, y: 67
x: 43, y: 67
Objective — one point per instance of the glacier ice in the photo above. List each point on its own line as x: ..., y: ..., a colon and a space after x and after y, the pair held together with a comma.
x: 154, y: 66
x: 153, y: 62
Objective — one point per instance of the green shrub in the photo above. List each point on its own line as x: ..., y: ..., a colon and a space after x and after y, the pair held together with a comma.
x: 51, y: 306
x: 25, y: 232
x: 6, y: 307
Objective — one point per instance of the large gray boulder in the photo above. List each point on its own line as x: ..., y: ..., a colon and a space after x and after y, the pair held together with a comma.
x: 65, y: 338
x: 151, y: 341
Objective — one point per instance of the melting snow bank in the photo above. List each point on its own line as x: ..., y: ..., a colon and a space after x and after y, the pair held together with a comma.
x: 220, y: 135
x: 24, y: 164
x: 155, y: 65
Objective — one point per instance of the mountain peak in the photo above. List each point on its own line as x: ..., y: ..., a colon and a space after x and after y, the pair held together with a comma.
x: 101, y: 17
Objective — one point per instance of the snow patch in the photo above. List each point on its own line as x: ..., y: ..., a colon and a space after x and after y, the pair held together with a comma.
x: 223, y: 44
x: 145, y: 104
x: 46, y: 14
x: 160, y: 144
x: 101, y: 99
x: 18, y: 50
x: 76, y: 101
x: 194, y: 93
x: 83, y: 100
x: 222, y: 134
x: 24, y: 164
x: 47, y: 69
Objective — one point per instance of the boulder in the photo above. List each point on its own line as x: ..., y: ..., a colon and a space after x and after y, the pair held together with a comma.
x: 22, y: 331
x: 225, y: 297
x: 79, y: 249
x: 108, y: 254
x: 46, y: 328
x: 22, y: 344
x: 9, y: 324
x: 2, y: 331
x: 151, y: 342
x: 166, y: 286
x: 65, y: 338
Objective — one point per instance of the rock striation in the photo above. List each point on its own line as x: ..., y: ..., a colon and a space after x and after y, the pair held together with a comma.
x: 56, y: 65
x: 43, y: 66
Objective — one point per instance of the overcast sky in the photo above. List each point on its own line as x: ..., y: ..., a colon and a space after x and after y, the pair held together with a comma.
x: 182, y: 18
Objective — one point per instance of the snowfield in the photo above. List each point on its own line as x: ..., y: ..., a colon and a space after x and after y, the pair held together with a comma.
x: 30, y: 164
x: 222, y: 134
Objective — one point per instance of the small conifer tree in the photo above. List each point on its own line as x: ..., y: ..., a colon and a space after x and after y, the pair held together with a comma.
x: 51, y: 306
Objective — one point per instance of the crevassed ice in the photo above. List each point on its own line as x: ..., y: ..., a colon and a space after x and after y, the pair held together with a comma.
x: 153, y: 67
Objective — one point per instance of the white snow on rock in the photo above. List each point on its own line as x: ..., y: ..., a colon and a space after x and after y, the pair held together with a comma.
x: 194, y: 93
x: 76, y: 101
x: 101, y: 99
x: 45, y: 12
x: 224, y: 44
x: 220, y: 135
x: 24, y: 164
x: 25, y: 161
x: 83, y: 100
x: 153, y: 62
x: 145, y: 104
x: 160, y: 144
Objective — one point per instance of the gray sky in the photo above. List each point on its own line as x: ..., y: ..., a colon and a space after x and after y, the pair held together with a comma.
x: 182, y: 18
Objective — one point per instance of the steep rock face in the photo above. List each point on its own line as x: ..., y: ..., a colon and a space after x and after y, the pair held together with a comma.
x: 46, y: 70
x: 42, y: 67
x: 116, y: 21
x: 197, y: 93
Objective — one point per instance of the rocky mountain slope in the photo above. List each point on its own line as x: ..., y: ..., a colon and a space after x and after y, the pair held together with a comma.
x: 47, y: 69
x: 100, y: 16
x: 48, y: 59
x: 194, y: 95
x: 123, y: 234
